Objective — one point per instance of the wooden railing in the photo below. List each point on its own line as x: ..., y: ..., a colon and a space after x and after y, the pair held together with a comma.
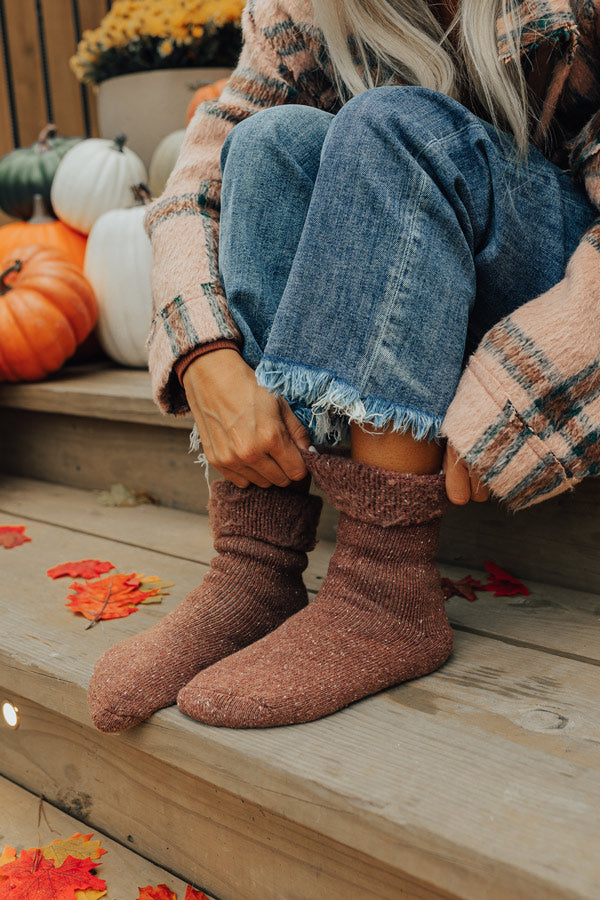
x: 36, y: 84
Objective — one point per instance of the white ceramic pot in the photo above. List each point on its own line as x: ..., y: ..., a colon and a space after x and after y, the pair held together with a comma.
x: 146, y: 106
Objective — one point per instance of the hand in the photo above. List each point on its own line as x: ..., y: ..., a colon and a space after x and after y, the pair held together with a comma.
x: 461, y: 485
x: 248, y: 434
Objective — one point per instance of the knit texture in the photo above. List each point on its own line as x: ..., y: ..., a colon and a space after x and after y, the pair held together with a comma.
x: 378, y: 620
x: 284, y: 60
x: 254, y: 583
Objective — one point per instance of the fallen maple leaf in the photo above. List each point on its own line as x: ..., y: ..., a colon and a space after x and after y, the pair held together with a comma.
x: 161, y: 892
x: 8, y: 855
x: 464, y: 587
x: 501, y: 583
x: 78, y: 846
x: 193, y: 894
x: 32, y: 877
x: 83, y: 568
x: 13, y: 536
x: 108, y: 598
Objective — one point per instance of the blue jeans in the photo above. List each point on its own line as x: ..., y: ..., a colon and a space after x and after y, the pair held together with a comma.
x: 364, y: 255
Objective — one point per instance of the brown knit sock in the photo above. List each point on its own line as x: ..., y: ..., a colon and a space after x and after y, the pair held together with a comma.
x: 253, y: 585
x: 378, y: 620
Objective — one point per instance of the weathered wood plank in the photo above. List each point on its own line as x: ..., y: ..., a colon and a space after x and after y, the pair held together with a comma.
x: 554, y: 618
x: 555, y: 542
x: 97, y: 391
x: 6, y: 135
x: 60, y: 46
x: 22, y: 34
x: 238, y: 849
x: 485, y: 772
x: 22, y: 827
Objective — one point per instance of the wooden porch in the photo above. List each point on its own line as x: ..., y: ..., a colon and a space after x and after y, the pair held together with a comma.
x: 479, y: 781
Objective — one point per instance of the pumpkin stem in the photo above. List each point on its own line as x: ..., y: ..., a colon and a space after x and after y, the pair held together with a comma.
x: 120, y: 142
x: 142, y: 194
x: 47, y: 132
x: 41, y: 213
x: 16, y: 267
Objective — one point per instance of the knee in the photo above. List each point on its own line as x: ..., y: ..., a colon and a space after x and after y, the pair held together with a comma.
x: 407, y: 110
x: 292, y: 127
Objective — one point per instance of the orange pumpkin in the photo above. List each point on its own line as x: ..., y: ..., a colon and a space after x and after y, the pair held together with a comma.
x: 206, y: 92
x: 43, y: 229
x: 47, y: 308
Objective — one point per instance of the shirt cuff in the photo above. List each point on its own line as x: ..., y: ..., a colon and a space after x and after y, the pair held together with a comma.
x: 180, y: 367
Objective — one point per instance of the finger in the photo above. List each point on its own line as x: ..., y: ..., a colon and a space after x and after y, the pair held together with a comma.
x: 458, y: 485
x: 233, y: 476
x: 479, y: 491
x: 294, y: 427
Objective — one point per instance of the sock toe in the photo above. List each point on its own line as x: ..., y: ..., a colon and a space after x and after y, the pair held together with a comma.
x: 230, y: 709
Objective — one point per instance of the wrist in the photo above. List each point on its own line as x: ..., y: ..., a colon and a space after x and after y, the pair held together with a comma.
x: 206, y: 366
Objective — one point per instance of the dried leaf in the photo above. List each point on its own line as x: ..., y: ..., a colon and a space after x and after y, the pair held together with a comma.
x: 155, y: 583
x: 161, y: 892
x: 32, y: 877
x: 83, y: 568
x: 501, y: 583
x: 193, y: 894
x: 13, y: 536
x: 8, y: 854
x: 90, y: 895
x: 113, y: 597
x: 79, y: 846
x: 119, y: 495
x: 464, y: 587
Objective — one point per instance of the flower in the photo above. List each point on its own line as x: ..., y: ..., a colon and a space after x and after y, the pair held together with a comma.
x: 138, y: 35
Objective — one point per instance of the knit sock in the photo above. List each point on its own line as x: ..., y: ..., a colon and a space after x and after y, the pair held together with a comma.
x: 378, y: 620
x: 253, y: 584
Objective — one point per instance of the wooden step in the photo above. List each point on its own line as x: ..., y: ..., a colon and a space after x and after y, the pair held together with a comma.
x: 93, y: 426
x: 29, y: 821
x: 482, y: 779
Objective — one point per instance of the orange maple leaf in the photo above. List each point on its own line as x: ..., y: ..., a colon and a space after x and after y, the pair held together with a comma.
x: 193, y: 894
x: 12, y: 536
x: 31, y: 877
x: 161, y: 892
x: 108, y: 598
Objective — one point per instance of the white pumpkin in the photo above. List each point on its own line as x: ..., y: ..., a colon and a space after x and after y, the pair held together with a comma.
x: 94, y: 180
x: 118, y: 258
x: 164, y: 159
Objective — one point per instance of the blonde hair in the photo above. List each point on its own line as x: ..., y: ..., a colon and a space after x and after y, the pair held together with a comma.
x: 373, y: 42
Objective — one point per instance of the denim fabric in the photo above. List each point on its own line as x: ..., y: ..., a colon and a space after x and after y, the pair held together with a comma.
x: 364, y: 255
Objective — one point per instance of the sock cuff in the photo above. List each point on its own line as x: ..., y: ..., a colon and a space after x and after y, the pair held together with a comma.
x: 380, y: 496
x: 286, y: 517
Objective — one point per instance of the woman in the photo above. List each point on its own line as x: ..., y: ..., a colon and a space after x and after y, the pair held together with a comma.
x: 386, y: 204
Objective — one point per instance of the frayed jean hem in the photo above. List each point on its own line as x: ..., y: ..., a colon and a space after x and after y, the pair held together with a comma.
x: 327, y: 405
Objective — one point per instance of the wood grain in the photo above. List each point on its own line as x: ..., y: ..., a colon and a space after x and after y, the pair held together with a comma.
x: 22, y: 33
x: 484, y: 773
x: 22, y: 827
x: 60, y: 46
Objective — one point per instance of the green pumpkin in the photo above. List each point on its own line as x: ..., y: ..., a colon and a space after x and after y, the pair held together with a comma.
x: 30, y: 170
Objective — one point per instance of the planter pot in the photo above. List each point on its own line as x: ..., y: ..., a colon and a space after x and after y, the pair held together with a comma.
x: 146, y: 106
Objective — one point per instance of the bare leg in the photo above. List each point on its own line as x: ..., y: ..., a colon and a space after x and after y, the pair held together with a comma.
x: 395, y: 450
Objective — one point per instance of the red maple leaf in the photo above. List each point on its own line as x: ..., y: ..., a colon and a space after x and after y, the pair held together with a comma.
x: 31, y: 877
x: 83, y: 568
x: 501, y: 583
x: 192, y: 894
x: 161, y: 892
x: 12, y: 536
x: 464, y: 587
